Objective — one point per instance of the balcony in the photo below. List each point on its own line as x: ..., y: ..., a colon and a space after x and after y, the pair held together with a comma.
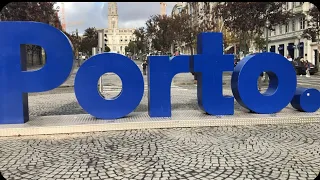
x: 288, y: 35
x: 298, y: 9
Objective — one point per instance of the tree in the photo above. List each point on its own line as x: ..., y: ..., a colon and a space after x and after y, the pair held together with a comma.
x: 313, y: 30
x: 184, y: 30
x: 249, y: 18
x: 260, y: 42
x: 75, y: 40
x: 28, y: 11
x: 132, y: 47
x: 89, y: 41
x: 140, y: 42
x: 31, y: 11
x: 107, y: 49
x: 159, y: 30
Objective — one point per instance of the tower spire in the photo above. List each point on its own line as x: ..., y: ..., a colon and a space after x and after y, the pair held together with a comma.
x: 112, y: 15
x: 163, y: 8
x: 112, y: 9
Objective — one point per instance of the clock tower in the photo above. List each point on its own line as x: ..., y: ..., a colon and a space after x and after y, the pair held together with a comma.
x: 112, y: 15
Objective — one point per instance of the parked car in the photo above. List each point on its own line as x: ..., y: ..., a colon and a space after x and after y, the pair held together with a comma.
x: 300, y: 68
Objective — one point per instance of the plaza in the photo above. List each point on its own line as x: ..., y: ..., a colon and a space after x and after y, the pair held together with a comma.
x: 275, y: 149
x: 60, y: 140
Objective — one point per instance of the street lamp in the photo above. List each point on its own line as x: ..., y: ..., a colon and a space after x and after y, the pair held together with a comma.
x: 298, y: 46
x: 266, y: 77
x: 267, y: 35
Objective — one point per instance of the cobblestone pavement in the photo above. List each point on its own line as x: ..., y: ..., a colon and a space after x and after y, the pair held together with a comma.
x: 243, y: 152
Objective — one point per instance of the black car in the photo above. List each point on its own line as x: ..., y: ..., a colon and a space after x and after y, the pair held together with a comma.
x: 301, y: 69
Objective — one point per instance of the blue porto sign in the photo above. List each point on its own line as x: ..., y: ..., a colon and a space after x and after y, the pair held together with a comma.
x: 209, y: 65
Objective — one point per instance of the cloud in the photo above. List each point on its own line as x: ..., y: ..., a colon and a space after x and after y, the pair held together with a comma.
x: 81, y: 15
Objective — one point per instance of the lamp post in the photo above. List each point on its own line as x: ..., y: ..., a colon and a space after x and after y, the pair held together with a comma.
x: 298, y: 46
x: 267, y: 34
x: 266, y: 77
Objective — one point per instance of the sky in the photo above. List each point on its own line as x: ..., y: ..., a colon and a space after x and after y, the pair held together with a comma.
x: 81, y: 15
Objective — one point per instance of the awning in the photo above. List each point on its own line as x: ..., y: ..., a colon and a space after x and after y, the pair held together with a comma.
x: 291, y: 46
x: 300, y: 45
x: 280, y: 48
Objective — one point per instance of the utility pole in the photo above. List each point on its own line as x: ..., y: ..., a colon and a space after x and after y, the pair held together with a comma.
x: 76, y: 48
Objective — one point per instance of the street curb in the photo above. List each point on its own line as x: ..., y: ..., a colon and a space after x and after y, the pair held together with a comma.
x: 84, y: 123
x: 65, y: 86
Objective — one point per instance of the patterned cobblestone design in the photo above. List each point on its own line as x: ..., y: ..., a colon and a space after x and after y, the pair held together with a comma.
x: 244, y: 152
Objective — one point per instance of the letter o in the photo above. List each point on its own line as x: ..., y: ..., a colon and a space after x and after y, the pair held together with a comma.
x: 87, y: 93
x: 282, y: 85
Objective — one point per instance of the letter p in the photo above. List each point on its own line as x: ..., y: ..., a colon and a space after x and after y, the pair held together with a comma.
x: 15, y: 81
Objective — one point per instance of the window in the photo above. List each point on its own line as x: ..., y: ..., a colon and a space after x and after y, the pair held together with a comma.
x: 280, y: 29
x: 302, y: 23
x: 275, y: 30
x: 113, y: 24
x: 287, y: 28
x: 293, y: 28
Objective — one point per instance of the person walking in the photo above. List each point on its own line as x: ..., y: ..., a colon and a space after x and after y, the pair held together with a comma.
x: 260, y: 81
x: 307, y: 65
x: 302, y: 67
x: 144, y: 67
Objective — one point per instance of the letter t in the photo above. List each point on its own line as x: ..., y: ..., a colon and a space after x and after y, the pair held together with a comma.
x: 208, y: 66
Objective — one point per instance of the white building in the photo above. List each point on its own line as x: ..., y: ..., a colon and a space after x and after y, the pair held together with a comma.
x: 116, y: 38
x: 287, y: 40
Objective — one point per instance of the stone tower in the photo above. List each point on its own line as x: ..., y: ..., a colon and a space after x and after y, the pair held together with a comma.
x: 163, y: 8
x: 112, y: 15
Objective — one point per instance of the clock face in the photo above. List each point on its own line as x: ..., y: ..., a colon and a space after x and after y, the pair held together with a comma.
x: 112, y: 19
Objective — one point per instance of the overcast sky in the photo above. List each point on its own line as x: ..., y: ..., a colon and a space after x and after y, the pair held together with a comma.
x: 81, y: 15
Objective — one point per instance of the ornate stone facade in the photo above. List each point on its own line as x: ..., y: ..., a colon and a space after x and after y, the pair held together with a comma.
x: 114, y: 37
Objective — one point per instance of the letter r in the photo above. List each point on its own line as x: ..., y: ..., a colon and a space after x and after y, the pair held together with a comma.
x: 15, y: 81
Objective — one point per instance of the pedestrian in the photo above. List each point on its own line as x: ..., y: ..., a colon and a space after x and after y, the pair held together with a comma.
x: 302, y: 67
x: 195, y: 78
x: 260, y: 81
x: 289, y: 58
x: 144, y: 67
x: 307, y: 65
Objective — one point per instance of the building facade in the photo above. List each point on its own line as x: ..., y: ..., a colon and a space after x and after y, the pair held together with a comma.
x: 114, y: 37
x: 198, y: 14
x: 287, y: 39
